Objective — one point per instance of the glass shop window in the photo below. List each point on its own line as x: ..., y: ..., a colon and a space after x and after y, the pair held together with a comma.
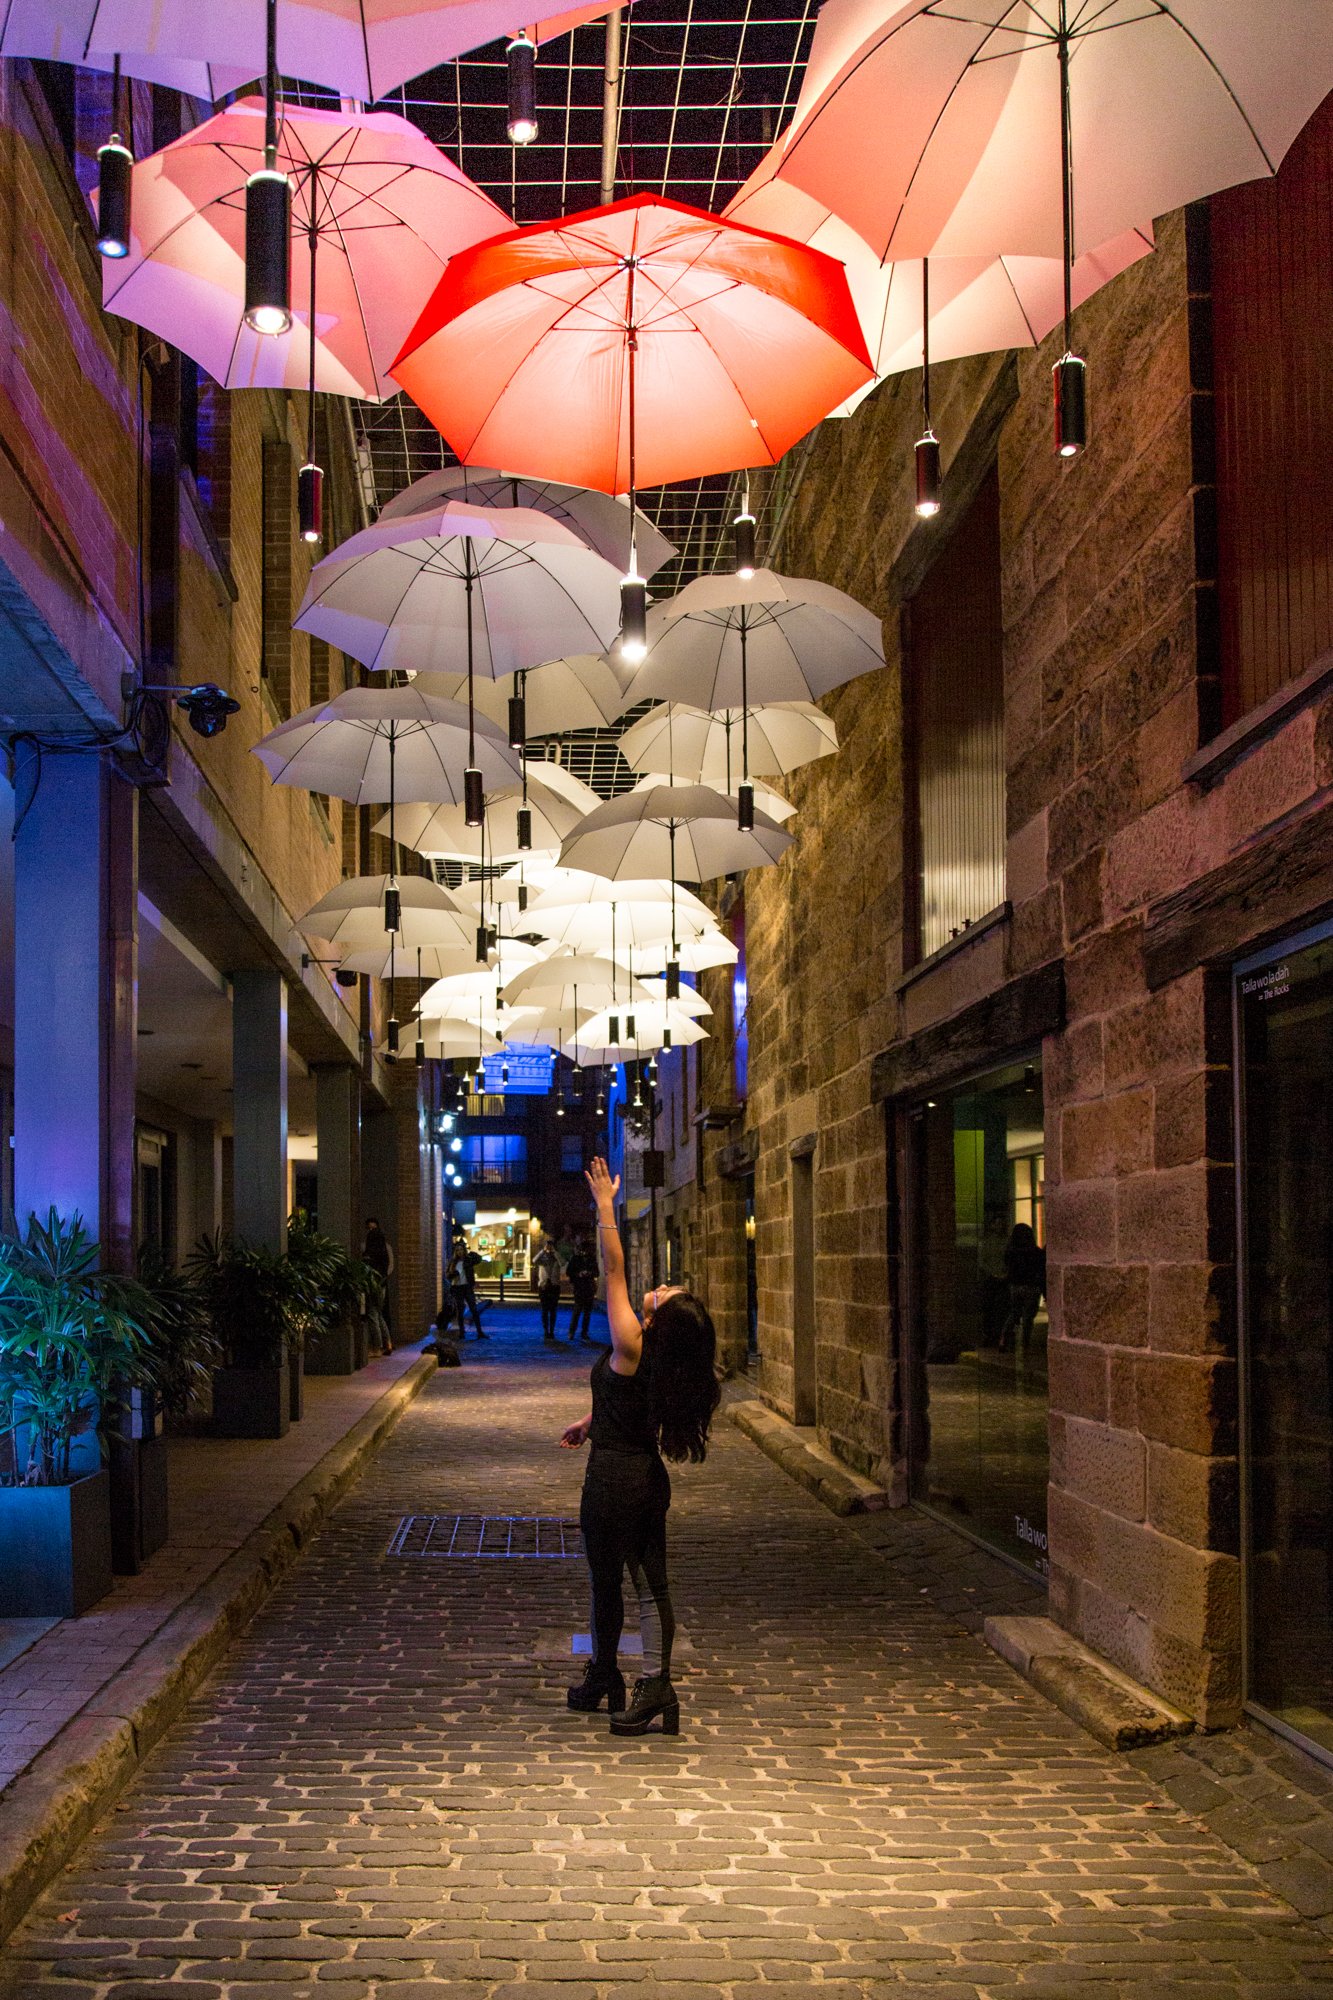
x: 954, y: 716
x: 1284, y: 1009
x: 977, y: 1393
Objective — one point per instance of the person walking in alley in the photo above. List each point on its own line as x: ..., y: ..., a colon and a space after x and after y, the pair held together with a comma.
x: 581, y: 1270
x: 1025, y: 1269
x: 463, y: 1285
x: 377, y: 1251
x: 546, y: 1277
x: 653, y: 1397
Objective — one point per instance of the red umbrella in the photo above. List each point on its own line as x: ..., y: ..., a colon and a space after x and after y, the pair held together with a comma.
x: 633, y: 344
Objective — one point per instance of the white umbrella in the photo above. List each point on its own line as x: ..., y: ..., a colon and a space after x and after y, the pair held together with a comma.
x: 763, y: 795
x: 688, y: 1001
x: 585, y: 691
x: 571, y: 888
x: 655, y: 1027
x: 379, y: 961
x: 570, y: 979
x: 368, y: 744
x: 703, y: 746
x: 685, y: 831
x: 444, y: 994
x: 554, y: 809
x: 695, y: 953
x: 452, y: 1041
x: 357, y: 913
x: 502, y: 588
x: 596, y: 518
x: 611, y: 927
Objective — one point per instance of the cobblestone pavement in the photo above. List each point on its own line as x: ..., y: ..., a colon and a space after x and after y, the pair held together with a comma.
x: 383, y: 1797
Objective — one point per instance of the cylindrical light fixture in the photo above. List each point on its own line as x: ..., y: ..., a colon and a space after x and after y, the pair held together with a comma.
x: 391, y: 1036
x: 633, y: 619
x: 523, y: 887
x: 673, y: 979
x: 115, y: 172
x: 268, y: 252
x: 745, y: 808
x: 420, y: 1052
x: 504, y: 1072
x: 523, y: 819
x: 559, y: 1106
x: 518, y: 721
x: 522, y: 60
x: 483, y: 944
x: 393, y: 907
x: 480, y: 1079
x: 742, y: 529
x: 474, y: 797
x: 630, y: 1035
x: 1071, y: 405
x: 613, y: 1029
x: 666, y: 1038
x: 928, y: 476
x: 310, y: 502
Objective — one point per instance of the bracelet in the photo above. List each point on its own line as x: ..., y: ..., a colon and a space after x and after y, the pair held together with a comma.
x: 609, y: 1225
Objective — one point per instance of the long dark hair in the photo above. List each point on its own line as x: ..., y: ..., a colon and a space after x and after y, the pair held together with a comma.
x: 680, y: 1347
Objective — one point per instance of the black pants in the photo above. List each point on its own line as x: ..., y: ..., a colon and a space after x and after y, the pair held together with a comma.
x: 465, y: 1301
x: 623, y: 1517
x: 548, y: 1298
x: 583, y: 1307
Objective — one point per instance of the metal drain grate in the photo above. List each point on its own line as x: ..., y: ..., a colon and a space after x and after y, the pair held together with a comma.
x: 492, y: 1535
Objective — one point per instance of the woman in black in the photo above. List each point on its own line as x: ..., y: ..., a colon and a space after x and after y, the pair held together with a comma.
x: 653, y: 1397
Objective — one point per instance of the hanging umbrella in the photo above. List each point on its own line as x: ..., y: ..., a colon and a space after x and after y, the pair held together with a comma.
x: 377, y: 211
x: 454, y: 1041
x: 366, y: 744
x: 688, y: 832
x: 638, y: 343
x: 573, y: 888
x: 687, y: 1001
x: 761, y: 794
x: 570, y: 979
x: 555, y: 802
x: 703, y: 746
x: 976, y: 304
x: 599, y: 519
x: 586, y: 691
x: 379, y: 961
x: 1023, y: 129
x: 696, y: 952
x: 621, y: 924
x: 443, y: 994
x: 357, y: 914
x: 358, y: 48
x: 655, y: 1028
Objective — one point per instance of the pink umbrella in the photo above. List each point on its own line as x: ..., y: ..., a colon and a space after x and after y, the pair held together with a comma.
x: 360, y: 48
x: 376, y: 208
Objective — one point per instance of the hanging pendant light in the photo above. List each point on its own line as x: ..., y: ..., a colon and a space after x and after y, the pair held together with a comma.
x: 521, y: 58
x: 420, y: 1051
x: 633, y: 589
x: 115, y: 181
x: 742, y: 531
x: 474, y: 797
x: 666, y: 1038
x: 310, y: 478
x: 633, y: 619
x: 673, y: 979
x: 479, y: 1080
x: 928, y: 485
x: 268, y: 216
x: 613, y: 1029
x: 483, y: 943
x: 391, y: 1035
x: 1070, y: 372
x: 745, y: 808
x: 504, y: 1073
x: 1071, y: 405
x: 518, y: 714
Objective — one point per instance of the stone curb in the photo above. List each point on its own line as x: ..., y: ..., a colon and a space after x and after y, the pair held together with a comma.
x: 1107, y: 1703
x: 840, y: 1489
x: 53, y: 1805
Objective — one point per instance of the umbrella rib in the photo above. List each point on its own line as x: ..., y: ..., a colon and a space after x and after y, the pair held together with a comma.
x: 1169, y: 11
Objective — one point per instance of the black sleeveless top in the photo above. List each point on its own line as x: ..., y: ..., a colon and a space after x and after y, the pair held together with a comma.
x: 620, y: 1415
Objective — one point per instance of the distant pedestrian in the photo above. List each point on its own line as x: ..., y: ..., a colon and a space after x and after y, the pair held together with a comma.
x: 462, y: 1281
x: 377, y: 1251
x: 581, y: 1270
x: 1025, y: 1271
x: 546, y: 1277
x: 653, y: 1397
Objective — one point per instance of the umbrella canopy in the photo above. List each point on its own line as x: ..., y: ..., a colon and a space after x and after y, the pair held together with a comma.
x: 351, y: 916
x: 614, y: 926
x: 504, y: 587
x: 452, y: 1041
x: 599, y: 519
x: 977, y: 304
x: 442, y: 832
x: 364, y: 741
x: 574, y: 979
x: 585, y: 691
x: 688, y: 831
x: 377, y: 211
x: 765, y: 797
x: 693, y: 953
x: 572, y: 888
x: 730, y: 344
x: 377, y: 960
x: 687, y: 1001
x: 1167, y: 103
x: 443, y: 995
x: 358, y: 48
x: 652, y: 1024
x: 725, y: 641
x: 704, y: 747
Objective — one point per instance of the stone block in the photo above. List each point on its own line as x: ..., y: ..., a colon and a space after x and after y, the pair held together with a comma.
x: 1084, y: 888
x: 1166, y: 1217
x: 1187, y: 1401
x: 1108, y: 1136
x: 1081, y: 1219
x: 1106, y: 1466
x: 1074, y: 1063
x: 1161, y: 1033
x: 1106, y: 1303
x: 1106, y: 971
x: 1078, y: 1386
x: 1192, y: 1308
x: 1025, y: 859
x: 1187, y: 1591
x: 1194, y: 1498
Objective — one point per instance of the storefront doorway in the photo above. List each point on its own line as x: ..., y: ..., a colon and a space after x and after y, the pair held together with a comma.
x: 1284, y: 1040
x: 977, y: 1389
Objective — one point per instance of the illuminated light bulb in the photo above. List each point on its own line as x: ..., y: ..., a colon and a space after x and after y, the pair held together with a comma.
x: 115, y: 179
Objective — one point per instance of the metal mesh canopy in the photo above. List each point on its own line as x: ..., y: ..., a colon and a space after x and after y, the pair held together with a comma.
x: 707, y: 86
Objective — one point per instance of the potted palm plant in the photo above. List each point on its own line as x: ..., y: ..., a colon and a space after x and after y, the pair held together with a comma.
x: 254, y: 1302
x: 340, y: 1288
x: 68, y: 1337
x: 181, y: 1350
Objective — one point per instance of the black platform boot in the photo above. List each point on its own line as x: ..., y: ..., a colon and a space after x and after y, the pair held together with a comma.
x: 598, y: 1683
x: 652, y: 1697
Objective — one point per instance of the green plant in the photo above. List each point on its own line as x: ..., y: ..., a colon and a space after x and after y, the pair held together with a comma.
x: 335, y: 1284
x: 69, y: 1333
x: 254, y: 1298
x: 182, y: 1345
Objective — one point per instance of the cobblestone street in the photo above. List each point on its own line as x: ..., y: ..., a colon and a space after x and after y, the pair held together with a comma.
x: 383, y: 1797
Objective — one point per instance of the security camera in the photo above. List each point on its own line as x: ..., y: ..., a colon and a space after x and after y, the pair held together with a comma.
x: 207, y: 708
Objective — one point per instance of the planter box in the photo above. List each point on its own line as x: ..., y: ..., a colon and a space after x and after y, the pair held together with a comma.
x: 55, y: 1548
x: 139, y: 1518
x: 296, y: 1385
x: 251, y: 1402
x: 333, y: 1350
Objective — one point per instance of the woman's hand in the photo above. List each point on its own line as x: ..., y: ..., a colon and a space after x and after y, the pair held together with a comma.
x: 604, y: 1189
x: 576, y: 1435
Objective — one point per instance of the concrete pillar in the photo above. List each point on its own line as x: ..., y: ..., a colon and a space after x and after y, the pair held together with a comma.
x: 76, y: 885
x: 338, y: 1136
x: 259, y: 1100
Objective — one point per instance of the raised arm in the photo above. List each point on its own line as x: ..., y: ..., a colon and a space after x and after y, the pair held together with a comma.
x: 626, y: 1332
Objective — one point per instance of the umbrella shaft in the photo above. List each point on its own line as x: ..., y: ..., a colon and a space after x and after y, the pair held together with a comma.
x: 1066, y: 175
x: 925, y: 341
